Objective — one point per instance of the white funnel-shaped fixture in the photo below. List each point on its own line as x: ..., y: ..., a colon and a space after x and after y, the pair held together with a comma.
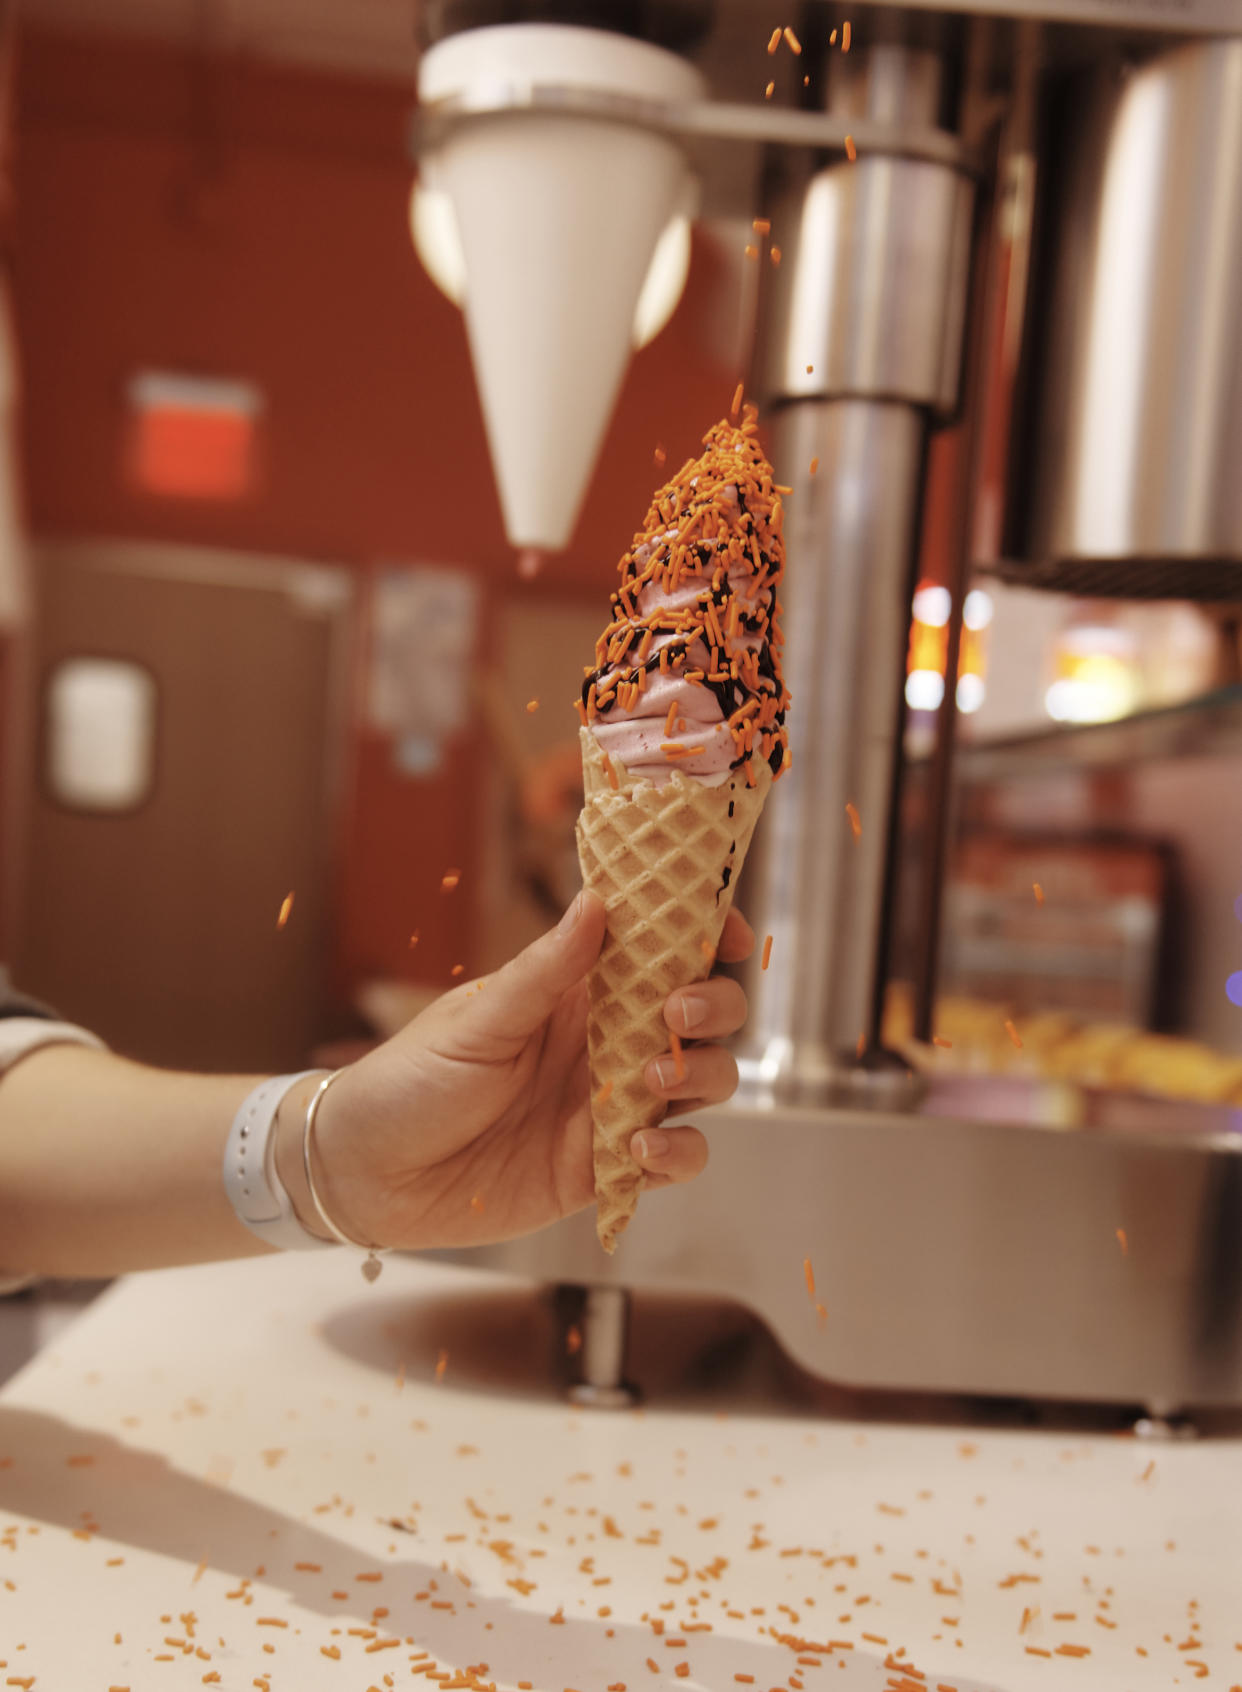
x: 558, y: 214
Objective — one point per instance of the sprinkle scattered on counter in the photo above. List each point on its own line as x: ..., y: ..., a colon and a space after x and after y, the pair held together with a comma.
x: 286, y: 905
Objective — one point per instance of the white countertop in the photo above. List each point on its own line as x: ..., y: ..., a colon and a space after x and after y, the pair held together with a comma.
x: 231, y: 1472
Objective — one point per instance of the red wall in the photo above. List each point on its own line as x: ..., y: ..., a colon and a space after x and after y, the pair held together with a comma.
x: 199, y: 215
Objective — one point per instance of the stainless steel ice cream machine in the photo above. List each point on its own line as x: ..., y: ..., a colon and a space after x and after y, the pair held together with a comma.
x: 1025, y: 219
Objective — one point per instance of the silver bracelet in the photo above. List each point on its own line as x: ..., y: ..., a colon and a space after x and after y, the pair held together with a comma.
x: 251, y: 1180
x: 372, y: 1265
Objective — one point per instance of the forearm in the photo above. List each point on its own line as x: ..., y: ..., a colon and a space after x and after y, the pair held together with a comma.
x: 108, y: 1166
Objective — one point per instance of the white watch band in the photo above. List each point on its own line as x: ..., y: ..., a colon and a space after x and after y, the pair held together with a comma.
x: 254, y: 1188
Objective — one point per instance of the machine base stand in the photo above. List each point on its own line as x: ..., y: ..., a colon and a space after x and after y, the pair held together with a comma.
x: 602, y: 1318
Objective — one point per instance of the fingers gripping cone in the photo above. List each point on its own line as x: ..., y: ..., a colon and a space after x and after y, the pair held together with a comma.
x: 665, y: 861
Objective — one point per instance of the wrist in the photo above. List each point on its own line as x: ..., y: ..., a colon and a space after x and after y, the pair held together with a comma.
x: 290, y: 1126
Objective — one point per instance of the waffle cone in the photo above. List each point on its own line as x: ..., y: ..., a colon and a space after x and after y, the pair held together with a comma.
x: 665, y: 861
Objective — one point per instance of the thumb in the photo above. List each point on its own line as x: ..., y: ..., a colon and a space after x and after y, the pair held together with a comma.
x: 522, y: 996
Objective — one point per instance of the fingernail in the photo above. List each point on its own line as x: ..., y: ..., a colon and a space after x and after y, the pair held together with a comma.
x: 569, y: 921
x: 694, y: 1009
x: 650, y: 1145
x: 666, y: 1071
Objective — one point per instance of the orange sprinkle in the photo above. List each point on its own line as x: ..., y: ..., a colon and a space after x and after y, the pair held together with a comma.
x: 809, y: 1276
x: 1149, y: 1471
x: 760, y: 225
x: 477, y: 1205
x: 821, y: 1314
x: 814, y: 461
x: 1028, y: 1616
x: 1073, y: 1650
x: 610, y: 773
x: 774, y: 40
x: 851, y: 151
x: 795, y: 46
x: 939, y: 1040
x: 1123, y: 1242
x: 532, y: 705
x: 737, y: 399
x: 441, y: 1365
x: 604, y: 1094
x: 659, y: 456
x: 767, y: 953
x: 845, y: 36
x: 286, y: 905
x: 851, y: 811
x: 1038, y: 892
x: 1012, y: 1032
x: 769, y: 91
x: 458, y: 969
x: 810, y: 370
x: 775, y: 255
x: 449, y: 880
x: 1037, y: 1651
x: 679, y: 1061
x: 573, y: 1341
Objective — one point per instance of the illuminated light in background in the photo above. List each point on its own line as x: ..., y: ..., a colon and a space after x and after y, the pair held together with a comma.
x: 977, y: 611
x: 1233, y: 989
x: 970, y: 691
x: 1095, y: 675
x: 925, y: 690
x: 932, y: 605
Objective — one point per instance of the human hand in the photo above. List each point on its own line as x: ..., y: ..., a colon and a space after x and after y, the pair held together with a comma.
x: 473, y: 1124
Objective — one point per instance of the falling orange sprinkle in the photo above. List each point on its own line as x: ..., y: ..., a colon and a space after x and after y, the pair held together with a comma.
x: 821, y: 1315
x: 1149, y: 1471
x: 476, y: 1204
x: 604, y: 1094
x: 810, y: 370
x: 939, y: 1040
x: 809, y: 1276
x: 573, y: 1341
x: 679, y: 1062
x: 1038, y: 892
x: 737, y: 399
x: 795, y: 46
x: 775, y: 255
x: 760, y: 225
x: 832, y: 39
x: 860, y: 1045
x: 845, y: 37
x: 814, y: 461
x: 441, y: 1365
x: 774, y: 40
x: 851, y: 151
x: 458, y: 969
x: 532, y: 705
x: 851, y: 811
x: 1123, y: 1242
x: 767, y: 953
x: 449, y: 880
x: 659, y: 456
x: 769, y: 91
x: 750, y: 251
x: 413, y: 940
x: 1012, y: 1032
x: 286, y: 905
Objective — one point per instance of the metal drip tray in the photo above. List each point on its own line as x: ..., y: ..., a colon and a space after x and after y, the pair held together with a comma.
x: 1013, y: 1238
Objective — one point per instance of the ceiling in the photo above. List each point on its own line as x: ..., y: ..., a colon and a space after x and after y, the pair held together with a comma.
x: 361, y: 37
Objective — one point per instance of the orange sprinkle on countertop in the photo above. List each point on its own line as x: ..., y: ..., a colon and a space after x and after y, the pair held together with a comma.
x: 795, y: 46
x: 1011, y: 1030
x: 1073, y: 1650
x: 767, y: 953
x: 1036, y: 1651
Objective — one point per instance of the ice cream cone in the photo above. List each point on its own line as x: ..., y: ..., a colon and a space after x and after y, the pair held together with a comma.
x: 665, y: 860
